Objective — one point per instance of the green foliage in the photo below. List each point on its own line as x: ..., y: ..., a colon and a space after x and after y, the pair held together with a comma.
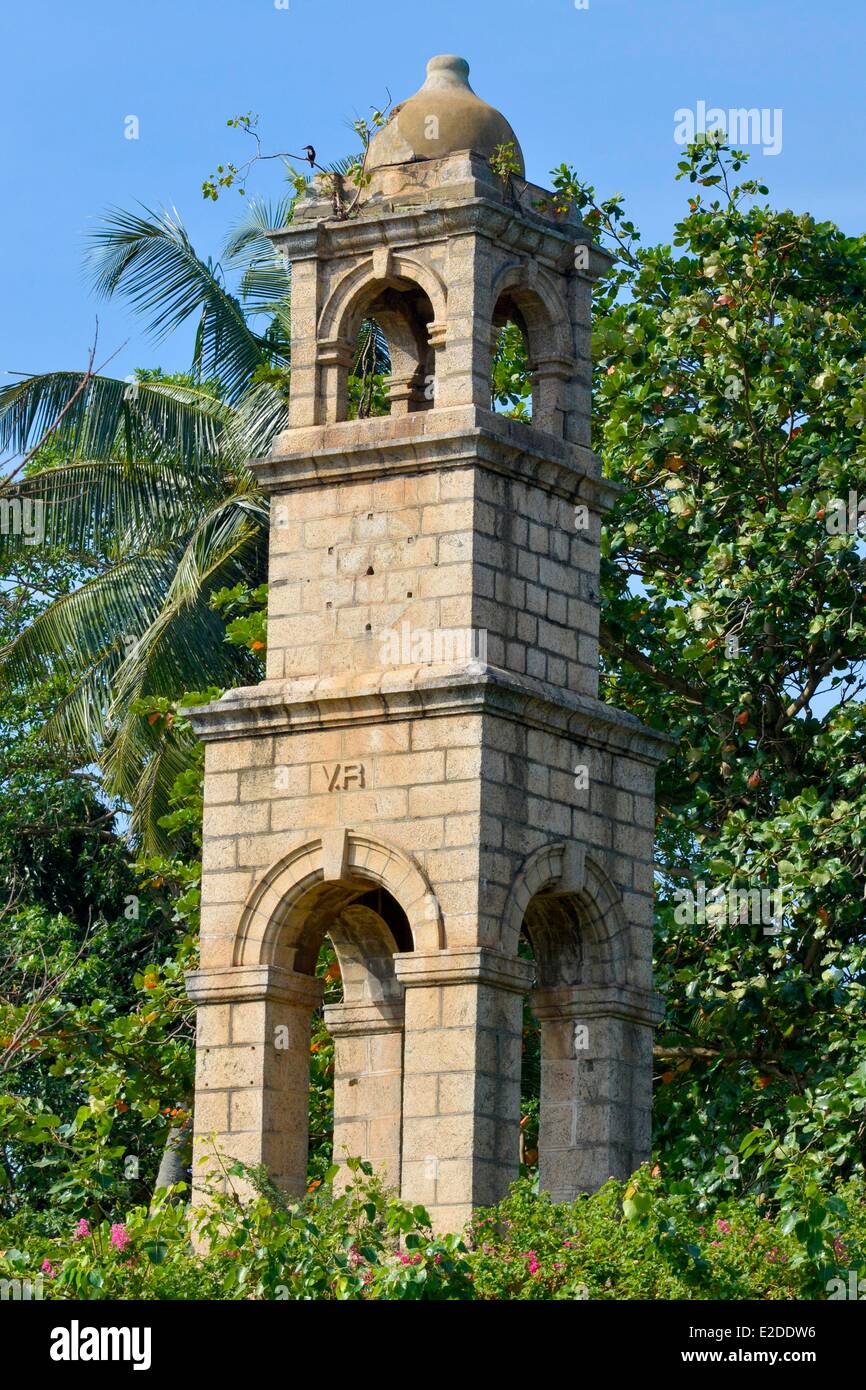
x: 505, y: 161
x: 95, y: 1027
x: 246, y: 612
x: 360, y: 1242
x: 96, y: 1049
x: 510, y: 389
x: 649, y: 1239
x: 643, y: 1240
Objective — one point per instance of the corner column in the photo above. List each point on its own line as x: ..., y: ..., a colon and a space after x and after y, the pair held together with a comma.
x: 461, y: 1078
x: 596, y: 1085
x: 368, y: 1085
x: 253, y: 1068
x: 463, y: 369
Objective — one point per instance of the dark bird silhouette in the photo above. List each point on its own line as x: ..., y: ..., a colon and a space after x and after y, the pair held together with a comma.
x: 311, y: 155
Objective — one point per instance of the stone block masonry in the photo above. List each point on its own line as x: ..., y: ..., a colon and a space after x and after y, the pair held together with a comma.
x: 426, y: 775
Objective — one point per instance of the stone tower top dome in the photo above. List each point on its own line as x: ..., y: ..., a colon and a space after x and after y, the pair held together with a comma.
x: 444, y: 116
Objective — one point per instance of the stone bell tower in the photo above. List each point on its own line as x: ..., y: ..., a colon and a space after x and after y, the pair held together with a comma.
x: 427, y: 774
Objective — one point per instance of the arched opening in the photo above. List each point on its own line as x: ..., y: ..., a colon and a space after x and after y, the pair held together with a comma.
x: 393, y: 367
x: 510, y: 373
x: 373, y: 904
x: 586, y: 1034
x: 348, y: 932
x: 551, y: 937
x: 356, y: 1033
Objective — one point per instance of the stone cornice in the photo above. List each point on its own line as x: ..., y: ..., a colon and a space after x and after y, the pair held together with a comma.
x: 360, y: 1020
x: 277, y: 707
x: 461, y: 965
x: 250, y: 983
x: 564, y: 1002
x: 433, y: 440
x: 402, y: 223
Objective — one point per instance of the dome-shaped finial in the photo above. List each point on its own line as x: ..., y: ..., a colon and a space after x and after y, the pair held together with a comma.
x: 444, y: 116
x: 447, y: 70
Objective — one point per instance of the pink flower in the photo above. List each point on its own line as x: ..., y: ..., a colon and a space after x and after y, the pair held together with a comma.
x: 725, y: 1227
x: 120, y: 1237
x: 532, y: 1261
x: 839, y: 1248
x: 48, y: 1268
x: 81, y: 1230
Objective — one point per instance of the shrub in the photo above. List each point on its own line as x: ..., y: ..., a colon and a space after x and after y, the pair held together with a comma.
x: 645, y: 1239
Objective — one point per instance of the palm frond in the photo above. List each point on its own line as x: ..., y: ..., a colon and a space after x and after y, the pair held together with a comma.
x: 151, y: 260
x: 114, y: 507
x: 264, y: 274
x: 183, y: 649
x: 372, y: 339
x: 261, y: 415
x: 140, y: 418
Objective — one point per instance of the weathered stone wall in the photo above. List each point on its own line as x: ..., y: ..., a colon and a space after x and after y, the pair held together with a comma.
x: 479, y: 784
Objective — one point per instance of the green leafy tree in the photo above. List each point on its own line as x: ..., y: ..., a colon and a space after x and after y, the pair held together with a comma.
x: 730, y: 403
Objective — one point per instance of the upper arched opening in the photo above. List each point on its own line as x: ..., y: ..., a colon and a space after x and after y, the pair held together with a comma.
x: 533, y: 357
x: 510, y: 377
x: 393, y: 369
x: 378, y: 335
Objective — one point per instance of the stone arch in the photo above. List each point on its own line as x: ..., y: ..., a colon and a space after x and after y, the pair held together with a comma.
x: 317, y: 879
x: 408, y: 301
x: 564, y: 880
x: 363, y: 281
x: 530, y: 298
x: 541, y: 307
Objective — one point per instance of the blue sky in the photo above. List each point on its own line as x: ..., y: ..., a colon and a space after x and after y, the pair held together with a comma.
x: 596, y: 87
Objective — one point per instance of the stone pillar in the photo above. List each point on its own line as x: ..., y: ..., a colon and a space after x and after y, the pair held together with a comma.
x: 551, y: 378
x: 336, y: 358
x: 253, y: 1068
x: 463, y: 374
x: 437, y: 335
x: 304, y: 399
x: 596, y: 1085
x: 461, y: 1078
x: 368, y: 1085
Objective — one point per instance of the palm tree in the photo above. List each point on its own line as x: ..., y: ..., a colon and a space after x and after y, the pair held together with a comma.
x: 155, y: 487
